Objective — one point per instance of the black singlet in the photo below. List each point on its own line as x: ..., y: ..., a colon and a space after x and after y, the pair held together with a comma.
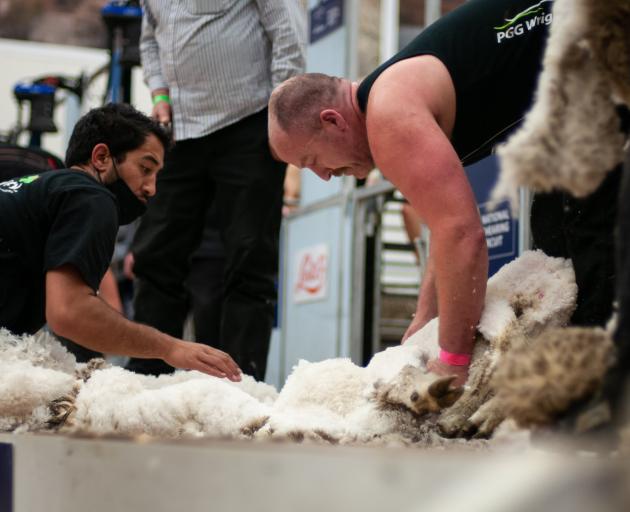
x: 48, y: 220
x: 493, y: 51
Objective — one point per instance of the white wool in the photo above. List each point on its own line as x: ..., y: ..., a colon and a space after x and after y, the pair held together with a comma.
x: 261, y: 391
x: 33, y: 373
x: 115, y: 400
x: 26, y: 392
x: 368, y: 422
x: 41, y: 350
x: 387, y: 364
x: 309, y: 420
x: 541, y: 287
x: 336, y: 384
x: 332, y: 400
x: 426, y: 338
x: 23, y: 387
x: 415, y: 351
x: 497, y: 317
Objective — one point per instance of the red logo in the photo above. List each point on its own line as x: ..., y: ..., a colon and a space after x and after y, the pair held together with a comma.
x: 312, y: 274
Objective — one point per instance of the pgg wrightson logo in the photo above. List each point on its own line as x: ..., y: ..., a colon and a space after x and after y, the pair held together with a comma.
x: 524, y: 21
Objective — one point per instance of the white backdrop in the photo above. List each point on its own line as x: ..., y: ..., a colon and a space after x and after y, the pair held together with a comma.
x: 23, y: 60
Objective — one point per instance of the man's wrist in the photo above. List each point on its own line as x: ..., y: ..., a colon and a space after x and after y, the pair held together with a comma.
x: 161, y: 97
x: 454, y: 359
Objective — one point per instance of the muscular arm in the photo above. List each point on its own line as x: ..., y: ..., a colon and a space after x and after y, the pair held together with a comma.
x: 411, y: 148
x: 75, y: 312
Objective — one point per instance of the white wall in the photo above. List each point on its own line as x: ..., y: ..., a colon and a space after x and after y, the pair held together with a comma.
x: 23, y: 61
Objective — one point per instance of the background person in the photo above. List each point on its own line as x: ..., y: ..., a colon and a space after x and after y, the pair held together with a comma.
x: 211, y: 67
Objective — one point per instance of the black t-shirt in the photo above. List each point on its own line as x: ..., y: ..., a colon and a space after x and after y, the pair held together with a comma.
x: 493, y: 51
x: 48, y: 220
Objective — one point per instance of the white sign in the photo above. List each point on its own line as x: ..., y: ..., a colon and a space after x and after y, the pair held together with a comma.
x: 311, y: 274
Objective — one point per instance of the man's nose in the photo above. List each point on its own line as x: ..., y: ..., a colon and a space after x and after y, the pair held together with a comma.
x: 322, y: 172
x: 149, y: 186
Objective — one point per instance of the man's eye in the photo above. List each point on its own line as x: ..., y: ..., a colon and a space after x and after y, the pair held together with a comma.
x: 145, y: 170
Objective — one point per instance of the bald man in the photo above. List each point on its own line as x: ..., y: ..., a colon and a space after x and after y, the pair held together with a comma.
x: 442, y: 102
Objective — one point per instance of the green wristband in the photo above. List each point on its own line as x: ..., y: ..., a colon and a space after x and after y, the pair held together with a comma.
x: 161, y: 97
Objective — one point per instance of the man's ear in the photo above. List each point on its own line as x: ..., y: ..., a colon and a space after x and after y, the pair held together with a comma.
x: 332, y: 119
x: 101, y: 157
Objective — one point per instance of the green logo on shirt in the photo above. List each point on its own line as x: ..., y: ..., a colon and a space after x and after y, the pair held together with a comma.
x: 12, y: 186
x: 524, y: 21
x: 28, y: 179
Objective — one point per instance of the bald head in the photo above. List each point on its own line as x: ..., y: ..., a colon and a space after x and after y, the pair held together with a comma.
x: 296, y: 103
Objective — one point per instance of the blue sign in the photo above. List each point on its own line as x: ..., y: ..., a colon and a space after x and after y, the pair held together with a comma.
x: 6, y: 477
x: 325, y: 17
x: 500, y: 227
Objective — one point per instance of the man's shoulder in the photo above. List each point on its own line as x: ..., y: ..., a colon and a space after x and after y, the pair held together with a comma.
x: 71, y: 180
x: 76, y: 190
x: 417, y: 85
x: 68, y: 177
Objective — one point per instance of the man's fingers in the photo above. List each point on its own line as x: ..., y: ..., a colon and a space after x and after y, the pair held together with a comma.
x: 226, y: 359
x: 210, y: 370
x: 223, y: 363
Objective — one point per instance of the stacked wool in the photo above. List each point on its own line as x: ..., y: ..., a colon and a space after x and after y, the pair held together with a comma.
x: 571, y: 137
x: 332, y: 400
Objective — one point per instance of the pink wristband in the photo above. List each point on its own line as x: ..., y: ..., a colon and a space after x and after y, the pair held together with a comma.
x: 454, y: 359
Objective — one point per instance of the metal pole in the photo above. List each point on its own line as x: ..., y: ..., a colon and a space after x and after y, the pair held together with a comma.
x: 432, y: 11
x: 352, y: 20
x: 390, y: 23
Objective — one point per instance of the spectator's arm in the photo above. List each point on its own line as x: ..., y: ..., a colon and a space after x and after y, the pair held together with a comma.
x: 285, y: 24
x: 150, y: 53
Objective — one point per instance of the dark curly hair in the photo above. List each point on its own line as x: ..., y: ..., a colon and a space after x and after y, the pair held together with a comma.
x: 120, y: 126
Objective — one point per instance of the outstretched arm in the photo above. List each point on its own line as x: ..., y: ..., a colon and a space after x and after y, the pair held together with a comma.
x: 412, y: 150
x: 74, y: 311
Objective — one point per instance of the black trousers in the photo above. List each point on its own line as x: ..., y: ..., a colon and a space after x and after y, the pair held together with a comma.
x: 205, y: 284
x: 233, y: 170
x: 582, y: 230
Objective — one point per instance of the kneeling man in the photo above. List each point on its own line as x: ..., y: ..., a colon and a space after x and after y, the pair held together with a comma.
x: 57, y: 235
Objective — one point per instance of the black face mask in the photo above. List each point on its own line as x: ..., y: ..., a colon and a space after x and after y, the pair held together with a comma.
x: 129, y: 206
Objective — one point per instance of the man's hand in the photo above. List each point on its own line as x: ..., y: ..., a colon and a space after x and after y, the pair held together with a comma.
x: 196, y: 356
x: 444, y: 370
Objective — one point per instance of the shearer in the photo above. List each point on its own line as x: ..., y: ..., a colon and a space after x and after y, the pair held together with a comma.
x: 57, y: 235
x: 442, y: 102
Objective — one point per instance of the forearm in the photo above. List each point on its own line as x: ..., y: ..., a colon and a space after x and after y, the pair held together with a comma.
x: 90, y: 322
x: 427, y: 307
x: 461, y: 269
x: 74, y: 311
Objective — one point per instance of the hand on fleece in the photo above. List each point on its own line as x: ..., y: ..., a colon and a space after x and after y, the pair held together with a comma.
x: 196, y: 356
x: 444, y: 370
